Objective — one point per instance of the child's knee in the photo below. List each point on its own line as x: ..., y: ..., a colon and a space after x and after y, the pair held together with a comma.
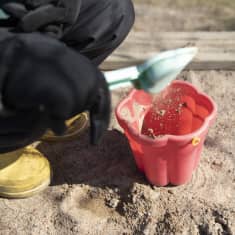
x: 125, y: 10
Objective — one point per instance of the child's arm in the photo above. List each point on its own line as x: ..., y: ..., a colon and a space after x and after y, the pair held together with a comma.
x: 44, y: 83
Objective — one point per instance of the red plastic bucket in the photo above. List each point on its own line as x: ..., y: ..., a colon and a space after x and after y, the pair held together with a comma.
x: 167, y: 133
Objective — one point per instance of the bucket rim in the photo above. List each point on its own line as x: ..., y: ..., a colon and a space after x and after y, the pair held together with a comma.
x: 180, y: 139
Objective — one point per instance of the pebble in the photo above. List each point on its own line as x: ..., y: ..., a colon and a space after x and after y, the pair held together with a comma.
x: 171, y: 191
x: 134, y: 199
x: 116, y: 190
x: 113, y: 202
x: 154, y: 195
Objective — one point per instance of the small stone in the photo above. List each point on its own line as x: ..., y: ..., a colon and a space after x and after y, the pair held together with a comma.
x: 113, y: 202
x: 170, y: 191
x: 146, y: 231
x: 217, y: 164
x: 141, y: 214
x: 149, y: 214
x: 178, y: 110
x: 134, y: 200
x: 162, y: 112
x: 154, y: 195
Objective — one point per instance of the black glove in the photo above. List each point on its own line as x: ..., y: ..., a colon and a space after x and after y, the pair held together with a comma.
x: 42, y: 84
x: 48, y: 16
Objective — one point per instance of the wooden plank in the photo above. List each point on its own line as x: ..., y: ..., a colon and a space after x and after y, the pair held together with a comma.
x: 216, y: 49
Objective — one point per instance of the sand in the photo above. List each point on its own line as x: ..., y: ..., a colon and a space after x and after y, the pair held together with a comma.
x: 98, y: 190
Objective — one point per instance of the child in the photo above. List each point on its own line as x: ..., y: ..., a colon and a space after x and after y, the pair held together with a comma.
x: 50, y: 51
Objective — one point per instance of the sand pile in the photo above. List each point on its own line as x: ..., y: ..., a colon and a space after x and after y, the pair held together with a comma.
x: 98, y: 190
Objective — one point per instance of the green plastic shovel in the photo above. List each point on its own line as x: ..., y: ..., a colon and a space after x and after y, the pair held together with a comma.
x: 155, y: 74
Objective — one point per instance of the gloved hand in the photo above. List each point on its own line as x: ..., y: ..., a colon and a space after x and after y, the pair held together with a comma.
x: 42, y: 84
x: 48, y: 16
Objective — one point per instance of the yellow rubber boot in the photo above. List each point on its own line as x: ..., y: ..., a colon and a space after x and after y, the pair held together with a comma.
x: 75, y: 127
x: 23, y: 173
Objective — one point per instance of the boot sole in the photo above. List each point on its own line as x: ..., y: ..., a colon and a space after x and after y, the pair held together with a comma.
x: 28, y: 193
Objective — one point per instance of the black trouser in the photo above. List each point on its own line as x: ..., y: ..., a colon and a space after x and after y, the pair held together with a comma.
x: 101, y: 27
